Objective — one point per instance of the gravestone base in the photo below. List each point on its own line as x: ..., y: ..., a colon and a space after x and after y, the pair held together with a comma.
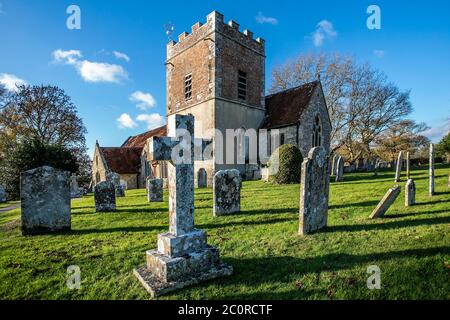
x: 35, y: 231
x: 164, y: 273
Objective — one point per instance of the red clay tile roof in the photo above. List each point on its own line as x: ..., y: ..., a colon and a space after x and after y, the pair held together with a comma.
x: 285, y: 108
x: 122, y: 160
x: 140, y: 140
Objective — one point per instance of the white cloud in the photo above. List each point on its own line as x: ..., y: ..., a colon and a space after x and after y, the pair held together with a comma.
x: 152, y: 121
x: 324, y: 30
x: 90, y: 71
x: 437, y: 133
x: 379, y: 53
x: 125, y: 122
x: 144, y: 100
x: 11, y: 81
x: 260, y: 18
x: 121, y: 56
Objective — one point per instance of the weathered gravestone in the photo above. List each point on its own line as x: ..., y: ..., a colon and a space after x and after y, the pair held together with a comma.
x: 183, y: 257
x: 398, y: 170
x: 408, y: 166
x: 105, y: 197
x: 2, y: 194
x: 115, y: 179
x: 314, y: 192
x: 202, y: 180
x: 410, y: 193
x: 227, y: 192
x: 386, y: 202
x: 431, y: 182
x: 75, y: 191
x: 45, y: 200
x: 340, y: 169
x: 448, y: 181
x: 334, y: 166
x: 155, y: 190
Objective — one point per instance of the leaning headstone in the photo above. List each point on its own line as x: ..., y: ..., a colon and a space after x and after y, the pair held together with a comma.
x: 340, y: 170
x: 431, y: 182
x: 45, y: 201
x: 227, y: 192
x: 388, y: 199
x: 314, y: 192
x: 115, y: 179
x: 105, y: 197
x: 410, y: 193
x: 155, y: 190
x: 201, y: 178
x: 2, y: 194
x: 398, y: 170
x: 183, y: 257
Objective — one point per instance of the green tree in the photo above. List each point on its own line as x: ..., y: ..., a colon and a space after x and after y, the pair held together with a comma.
x: 443, y: 147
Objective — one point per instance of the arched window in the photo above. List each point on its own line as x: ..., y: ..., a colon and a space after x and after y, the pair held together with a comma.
x: 317, y: 133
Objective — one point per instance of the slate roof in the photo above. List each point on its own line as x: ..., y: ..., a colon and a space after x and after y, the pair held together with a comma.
x: 122, y: 160
x: 286, y: 107
x: 140, y: 140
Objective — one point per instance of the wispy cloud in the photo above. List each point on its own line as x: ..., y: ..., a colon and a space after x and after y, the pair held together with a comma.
x: 260, y: 18
x: 11, y: 81
x: 379, y: 53
x: 324, y: 31
x: 2, y: 12
x: 437, y: 133
x: 126, y: 122
x: 90, y: 71
x: 144, y: 100
x: 121, y: 56
x: 153, y: 121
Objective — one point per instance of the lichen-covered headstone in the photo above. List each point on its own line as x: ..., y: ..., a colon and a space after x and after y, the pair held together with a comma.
x: 115, y: 179
x: 201, y: 178
x: 334, y: 166
x: 227, y: 192
x: 398, y: 170
x: 105, y: 197
x: 45, y: 200
x: 408, y: 165
x: 2, y: 194
x: 410, y: 193
x: 314, y: 192
x: 155, y: 190
x: 75, y: 191
x: 385, y: 203
x: 431, y: 181
x: 340, y: 169
x: 183, y: 257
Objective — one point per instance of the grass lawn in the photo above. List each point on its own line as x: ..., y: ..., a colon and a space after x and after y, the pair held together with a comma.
x: 410, y: 245
x: 8, y: 204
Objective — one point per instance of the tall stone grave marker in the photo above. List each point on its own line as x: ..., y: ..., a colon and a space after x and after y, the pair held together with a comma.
x: 340, y: 170
x: 183, y: 257
x: 202, y: 180
x: 314, y: 192
x: 45, y: 200
x: 410, y: 193
x: 115, y: 179
x: 227, y: 192
x: 334, y: 166
x: 2, y: 194
x: 385, y: 203
x: 399, y: 167
x: 408, y: 165
x: 105, y: 197
x: 431, y: 182
x: 155, y: 190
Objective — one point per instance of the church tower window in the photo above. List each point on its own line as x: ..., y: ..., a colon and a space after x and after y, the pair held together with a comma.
x: 188, y: 87
x: 317, y: 133
x: 242, y: 85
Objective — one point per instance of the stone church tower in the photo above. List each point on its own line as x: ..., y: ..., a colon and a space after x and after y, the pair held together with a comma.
x: 217, y: 74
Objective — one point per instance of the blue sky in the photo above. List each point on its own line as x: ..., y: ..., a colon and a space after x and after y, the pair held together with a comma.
x: 114, y: 66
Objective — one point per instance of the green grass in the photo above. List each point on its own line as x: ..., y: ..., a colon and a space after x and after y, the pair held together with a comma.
x: 8, y: 204
x: 410, y: 245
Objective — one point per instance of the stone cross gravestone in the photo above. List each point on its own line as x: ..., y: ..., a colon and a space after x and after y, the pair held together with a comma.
x: 314, y: 192
x: 431, y: 182
x: 115, y: 179
x: 398, y: 170
x: 105, y: 197
x: 155, y: 190
x: 340, y: 170
x: 183, y: 257
x: 227, y: 192
x: 410, y: 193
x: 45, y: 200
x: 202, y: 180
x: 388, y: 199
x: 2, y: 194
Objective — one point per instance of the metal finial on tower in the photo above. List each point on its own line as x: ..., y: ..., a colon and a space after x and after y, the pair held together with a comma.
x: 169, y: 29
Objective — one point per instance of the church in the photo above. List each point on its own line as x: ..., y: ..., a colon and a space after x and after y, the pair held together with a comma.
x: 217, y: 73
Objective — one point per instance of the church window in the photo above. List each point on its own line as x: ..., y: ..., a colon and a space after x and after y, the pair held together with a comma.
x: 188, y: 87
x: 242, y: 85
x: 317, y: 133
x: 282, y: 139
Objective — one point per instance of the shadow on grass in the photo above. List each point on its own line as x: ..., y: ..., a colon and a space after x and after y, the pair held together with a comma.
x: 241, y: 223
x: 113, y: 230
x: 357, y: 204
x: 267, y: 211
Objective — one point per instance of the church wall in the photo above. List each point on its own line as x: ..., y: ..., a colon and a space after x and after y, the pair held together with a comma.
x: 131, y: 180
x: 98, y: 167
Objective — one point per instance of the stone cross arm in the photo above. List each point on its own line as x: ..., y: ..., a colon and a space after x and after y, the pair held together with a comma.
x: 161, y: 149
